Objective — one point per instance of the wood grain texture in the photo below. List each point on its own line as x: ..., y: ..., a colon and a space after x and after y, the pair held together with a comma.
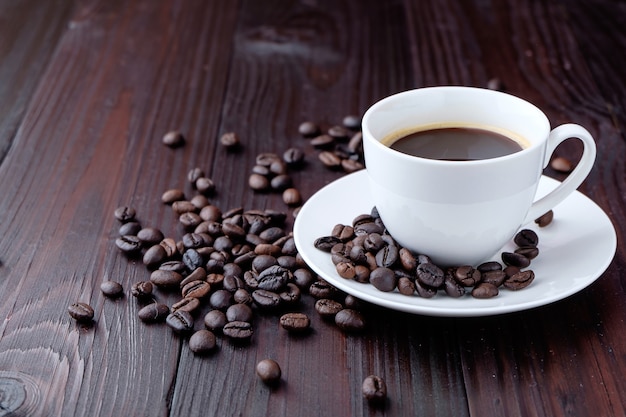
x: 84, y: 102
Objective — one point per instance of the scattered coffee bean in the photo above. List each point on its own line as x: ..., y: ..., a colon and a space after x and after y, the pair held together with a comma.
x: 292, y: 197
x: 430, y: 275
x: 238, y: 331
x: 295, y: 322
x: 111, y: 288
x: 81, y: 312
x: 526, y: 237
x: 374, y: 389
x: 180, y: 321
x: 128, y: 244
x: 545, y: 219
x: 153, y: 313
x: 174, y: 194
x: 327, y: 308
x: 239, y: 312
x: 515, y: 259
x: 230, y: 140
x: 129, y: 228
x: 350, y: 320
x: 269, y: 371
x: 293, y: 157
x: 141, y: 289
x: 125, y: 214
x: 384, y: 279
x: 322, y: 141
x: 215, y: 320
x: 173, y: 139
x: 308, y: 129
x: 202, y: 342
x: 352, y: 122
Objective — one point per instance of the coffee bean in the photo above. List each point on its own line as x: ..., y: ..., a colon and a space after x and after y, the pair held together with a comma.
x: 345, y: 270
x: 215, y: 320
x: 489, y: 266
x: 352, y: 122
x: 495, y: 84
x: 193, y: 174
x: 293, y: 156
x: 154, y: 255
x: 196, y: 289
x: 192, y: 259
x: 190, y: 220
x: 545, y: 219
x: 406, y: 286
x: 322, y: 289
x: 362, y: 273
x: 329, y: 159
x: 355, y: 145
x: 269, y: 371
x: 171, y: 195
x: 430, y: 275
x: 326, y: 243
x: 175, y: 266
x: 350, y: 320
x: 220, y: 299
x: 338, y: 132
x: 189, y: 304
x: 128, y: 244
x: 295, y: 322
x: 170, y: 247
x: 164, y: 278
x: 205, y: 186
x: 452, y: 287
x: 258, y: 182
x: 327, y: 308
x: 322, y: 141
x: 374, y: 389
x: 526, y: 237
x: 153, y: 313
x: 111, y: 288
x: 292, y: 197
x: 531, y: 252
x: 141, y: 289
x: 496, y: 277
x: 199, y: 201
x: 129, y: 228
x: 180, y: 321
x: 230, y: 140
x: 424, y: 291
x: 267, y: 159
x: 281, y: 182
x: 238, y: 331
x: 384, y: 279
x: 519, y: 280
x: 173, y: 139
x: 266, y: 300
x: 485, y: 290
x: 81, y: 312
x: 150, y: 235
x: 561, y: 164
x: 467, y: 276
x: 202, y: 342
x: 125, y: 214
x: 242, y: 296
x: 183, y: 206
x: 308, y: 129
x: 239, y: 312
x: 387, y: 255
x: 303, y: 278
x: 515, y: 259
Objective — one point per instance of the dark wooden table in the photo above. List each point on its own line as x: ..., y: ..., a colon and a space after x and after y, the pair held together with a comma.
x: 88, y: 89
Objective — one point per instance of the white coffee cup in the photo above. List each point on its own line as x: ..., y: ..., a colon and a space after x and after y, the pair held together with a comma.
x: 463, y: 212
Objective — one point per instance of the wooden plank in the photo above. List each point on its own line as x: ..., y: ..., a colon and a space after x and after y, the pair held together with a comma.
x: 122, y: 75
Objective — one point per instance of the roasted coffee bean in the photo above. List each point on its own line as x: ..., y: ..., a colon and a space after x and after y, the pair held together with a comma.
x: 193, y: 240
x: 292, y: 197
x: 261, y: 262
x: 200, y: 201
x: 189, y: 304
x: 232, y: 283
x: 531, y: 252
x: 111, y: 288
x: 192, y: 259
x: 350, y: 320
x: 406, y: 286
x: 519, y: 280
x: 362, y: 273
x: 352, y: 122
x: 173, y: 139
x: 258, y: 182
x: 183, y: 206
x: 545, y: 219
x: 308, y: 129
x: 424, y: 291
x: 81, y: 312
x: 407, y: 259
x: 495, y: 277
x: 561, y: 164
x: 452, y: 287
x: 485, y: 290
x: 180, y: 321
x: 221, y: 299
x: 267, y: 158
x: 467, y: 276
x: 290, y: 294
x: 293, y: 156
x: 205, y: 186
x: 343, y: 232
x: 295, y: 322
x: 141, y: 289
x: 239, y: 312
x: 238, y: 331
x: 374, y: 389
x: 128, y: 244
x: 171, y: 195
x: 430, y: 275
x: 170, y: 247
x: 338, y: 132
x: 278, y: 167
x: 384, y: 279
x: 202, y: 342
x: 326, y: 243
x: 242, y: 296
x: 269, y: 371
x: 495, y: 84
x: 515, y: 259
x: 322, y: 141
x: 387, y: 256
x: 176, y: 266
x: 129, y: 228
x: 189, y: 220
x: 322, y: 289
x: 215, y: 320
x: 193, y: 174
x: 303, y: 278
x: 150, y: 235
x: 125, y: 214
x: 350, y: 165
x: 153, y: 313
x: 230, y: 140
x: 196, y: 289
x: 526, y: 237
x: 281, y: 182
x: 355, y: 145
x: 165, y: 278
x: 288, y: 262
x: 156, y: 254
x: 489, y: 266
x: 367, y: 228
x: 345, y: 270
x: 511, y: 270
x: 266, y: 300
x: 327, y: 308
x: 272, y: 234
x: 329, y: 159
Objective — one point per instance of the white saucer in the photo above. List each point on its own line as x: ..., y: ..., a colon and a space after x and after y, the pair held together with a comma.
x: 575, y: 249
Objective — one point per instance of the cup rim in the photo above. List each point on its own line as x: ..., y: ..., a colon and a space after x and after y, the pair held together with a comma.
x: 369, y: 137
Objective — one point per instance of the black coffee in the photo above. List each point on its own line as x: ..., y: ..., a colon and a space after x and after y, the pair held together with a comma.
x: 456, y: 144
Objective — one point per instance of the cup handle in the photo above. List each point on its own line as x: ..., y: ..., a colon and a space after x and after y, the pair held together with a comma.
x: 575, y: 178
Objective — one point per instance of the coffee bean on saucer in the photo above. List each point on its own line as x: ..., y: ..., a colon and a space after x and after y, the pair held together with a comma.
x: 519, y: 280
x: 269, y: 371
x: 485, y: 290
x: 515, y: 259
x: 526, y: 237
x: 545, y: 219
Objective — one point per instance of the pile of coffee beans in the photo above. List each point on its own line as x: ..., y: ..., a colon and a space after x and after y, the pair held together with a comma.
x: 365, y: 252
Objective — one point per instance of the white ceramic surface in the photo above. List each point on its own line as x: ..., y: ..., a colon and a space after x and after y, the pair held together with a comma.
x: 463, y: 211
x: 575, y: 249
